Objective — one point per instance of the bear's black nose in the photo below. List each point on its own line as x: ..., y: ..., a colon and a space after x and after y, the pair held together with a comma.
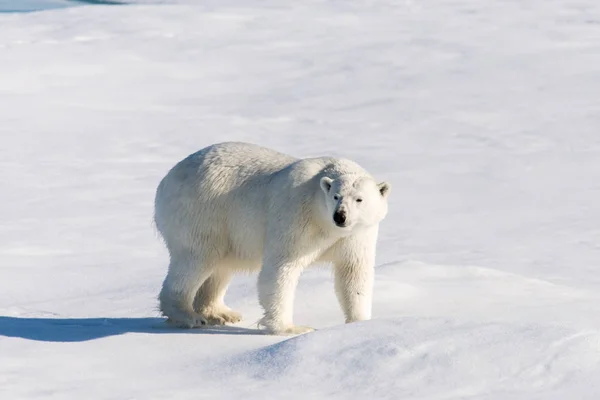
x: 339, y: 217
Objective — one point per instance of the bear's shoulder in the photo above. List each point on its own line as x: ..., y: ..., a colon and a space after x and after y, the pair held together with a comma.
x: 332, y: 167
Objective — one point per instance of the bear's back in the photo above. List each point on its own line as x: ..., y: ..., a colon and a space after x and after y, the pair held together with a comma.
x: 243, y: 159
x: 225, y: 166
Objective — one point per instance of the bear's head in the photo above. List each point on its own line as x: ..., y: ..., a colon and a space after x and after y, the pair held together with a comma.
x: 355, y: 201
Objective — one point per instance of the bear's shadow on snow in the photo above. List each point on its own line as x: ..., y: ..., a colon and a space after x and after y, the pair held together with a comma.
x: 84, y: 329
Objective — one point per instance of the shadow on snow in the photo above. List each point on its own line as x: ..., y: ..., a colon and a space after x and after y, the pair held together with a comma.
x: 83, y: 329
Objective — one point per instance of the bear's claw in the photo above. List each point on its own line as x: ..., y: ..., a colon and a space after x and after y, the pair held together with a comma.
x: 189, y: 322
x: 296, y: 330
x: 221, y: 316
x: 290, y: 330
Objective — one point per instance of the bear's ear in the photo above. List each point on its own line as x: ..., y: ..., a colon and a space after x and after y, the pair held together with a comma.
x: 384, y: 188
x: 326, y: 183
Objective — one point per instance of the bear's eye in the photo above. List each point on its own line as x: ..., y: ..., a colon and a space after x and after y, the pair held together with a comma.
x: 336, y: 197
x: 359, y: 200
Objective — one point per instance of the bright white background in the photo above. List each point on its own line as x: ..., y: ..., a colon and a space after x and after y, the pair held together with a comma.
x: 484, y: 116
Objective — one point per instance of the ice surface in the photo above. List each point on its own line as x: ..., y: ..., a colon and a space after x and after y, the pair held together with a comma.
x: 484, y: 117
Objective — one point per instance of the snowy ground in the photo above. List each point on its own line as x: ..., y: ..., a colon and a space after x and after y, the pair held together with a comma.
x: 483, y: 115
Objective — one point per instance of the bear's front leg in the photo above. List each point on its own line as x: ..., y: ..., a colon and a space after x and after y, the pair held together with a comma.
x: 354, y: 290
x: 354, y: 272
x: 277, y: 283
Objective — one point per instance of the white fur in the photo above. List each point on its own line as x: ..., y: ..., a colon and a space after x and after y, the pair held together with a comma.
x: 235, y: 207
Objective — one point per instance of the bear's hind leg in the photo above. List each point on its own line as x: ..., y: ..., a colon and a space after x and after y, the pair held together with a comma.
x: 187, y: 272
x: 209, y: 301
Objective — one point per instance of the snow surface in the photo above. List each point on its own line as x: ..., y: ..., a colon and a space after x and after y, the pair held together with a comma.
x: 483, y: 115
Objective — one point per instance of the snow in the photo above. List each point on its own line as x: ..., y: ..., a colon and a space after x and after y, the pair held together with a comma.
x: 482, y: 115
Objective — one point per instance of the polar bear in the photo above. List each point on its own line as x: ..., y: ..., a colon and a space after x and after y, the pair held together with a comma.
x: 238, y: 207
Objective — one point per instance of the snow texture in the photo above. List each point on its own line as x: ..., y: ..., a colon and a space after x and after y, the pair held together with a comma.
x: 484, y: 117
